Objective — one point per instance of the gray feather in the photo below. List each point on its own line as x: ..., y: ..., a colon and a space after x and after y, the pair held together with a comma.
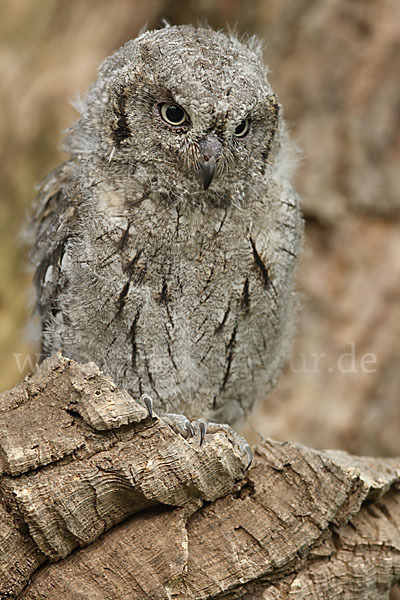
x: 180, y: 293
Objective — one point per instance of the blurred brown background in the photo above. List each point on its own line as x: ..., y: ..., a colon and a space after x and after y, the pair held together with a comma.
x: 335, y: 67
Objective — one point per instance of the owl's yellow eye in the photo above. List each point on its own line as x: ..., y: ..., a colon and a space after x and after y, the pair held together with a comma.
x: 243, y: 128
x: 173, y: 114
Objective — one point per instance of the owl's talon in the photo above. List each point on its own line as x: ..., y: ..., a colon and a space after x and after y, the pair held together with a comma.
x: 147, y: 400
x: 203, y: 429
x: 249, y: 452
x: 189, y: 428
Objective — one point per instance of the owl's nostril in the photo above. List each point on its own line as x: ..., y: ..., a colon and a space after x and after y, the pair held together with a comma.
x: 210, y: 146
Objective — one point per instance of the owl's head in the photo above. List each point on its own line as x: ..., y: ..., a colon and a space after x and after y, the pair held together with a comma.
x: 194, y: 104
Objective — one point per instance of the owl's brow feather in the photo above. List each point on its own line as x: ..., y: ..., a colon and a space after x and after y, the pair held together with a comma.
x: 122, y: 130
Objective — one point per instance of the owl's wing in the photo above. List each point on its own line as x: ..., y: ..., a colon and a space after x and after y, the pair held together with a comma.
x: 53, y: 221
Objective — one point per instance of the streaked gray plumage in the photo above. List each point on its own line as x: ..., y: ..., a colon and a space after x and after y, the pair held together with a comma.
x: 177, y: 291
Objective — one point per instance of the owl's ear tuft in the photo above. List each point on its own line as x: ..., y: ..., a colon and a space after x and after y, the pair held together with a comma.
x: 255, y: 45
x: 143, y: 30
x: 252, y: 42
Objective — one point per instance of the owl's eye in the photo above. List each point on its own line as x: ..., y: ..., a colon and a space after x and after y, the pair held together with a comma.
x: 172, y: 114
x: 243, y: 128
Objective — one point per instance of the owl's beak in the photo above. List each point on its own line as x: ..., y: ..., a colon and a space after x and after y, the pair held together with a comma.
x: 210, y: 151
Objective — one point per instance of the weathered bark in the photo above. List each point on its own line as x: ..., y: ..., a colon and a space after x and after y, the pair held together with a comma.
x: 80, y: 457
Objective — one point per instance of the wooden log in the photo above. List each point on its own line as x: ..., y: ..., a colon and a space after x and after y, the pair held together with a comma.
x: 98, y: 500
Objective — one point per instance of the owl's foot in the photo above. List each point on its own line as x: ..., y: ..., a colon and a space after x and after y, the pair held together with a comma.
x: 181, y: 424
x: 208, y: 427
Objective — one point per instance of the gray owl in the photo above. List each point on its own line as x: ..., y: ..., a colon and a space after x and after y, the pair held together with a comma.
x: 165, y: 246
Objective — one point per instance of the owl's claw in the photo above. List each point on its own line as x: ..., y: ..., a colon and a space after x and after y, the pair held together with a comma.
x: 147, y: 400
x: 180, y: 424
x: 203, y: 429
x: 249, y: 452
x: 189, y: 428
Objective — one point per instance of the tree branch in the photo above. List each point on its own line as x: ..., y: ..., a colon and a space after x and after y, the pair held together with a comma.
x: 79, y: 457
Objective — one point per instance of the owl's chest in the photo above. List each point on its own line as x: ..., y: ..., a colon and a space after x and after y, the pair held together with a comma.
x: 198, y: 257
x: 172, y: 252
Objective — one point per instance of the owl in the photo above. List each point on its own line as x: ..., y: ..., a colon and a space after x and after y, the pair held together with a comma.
x: 165, y: 247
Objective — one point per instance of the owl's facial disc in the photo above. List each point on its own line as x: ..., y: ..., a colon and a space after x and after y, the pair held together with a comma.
x: 210, y: 151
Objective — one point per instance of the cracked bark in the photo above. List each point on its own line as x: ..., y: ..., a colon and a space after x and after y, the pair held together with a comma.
x: 100, y: 501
